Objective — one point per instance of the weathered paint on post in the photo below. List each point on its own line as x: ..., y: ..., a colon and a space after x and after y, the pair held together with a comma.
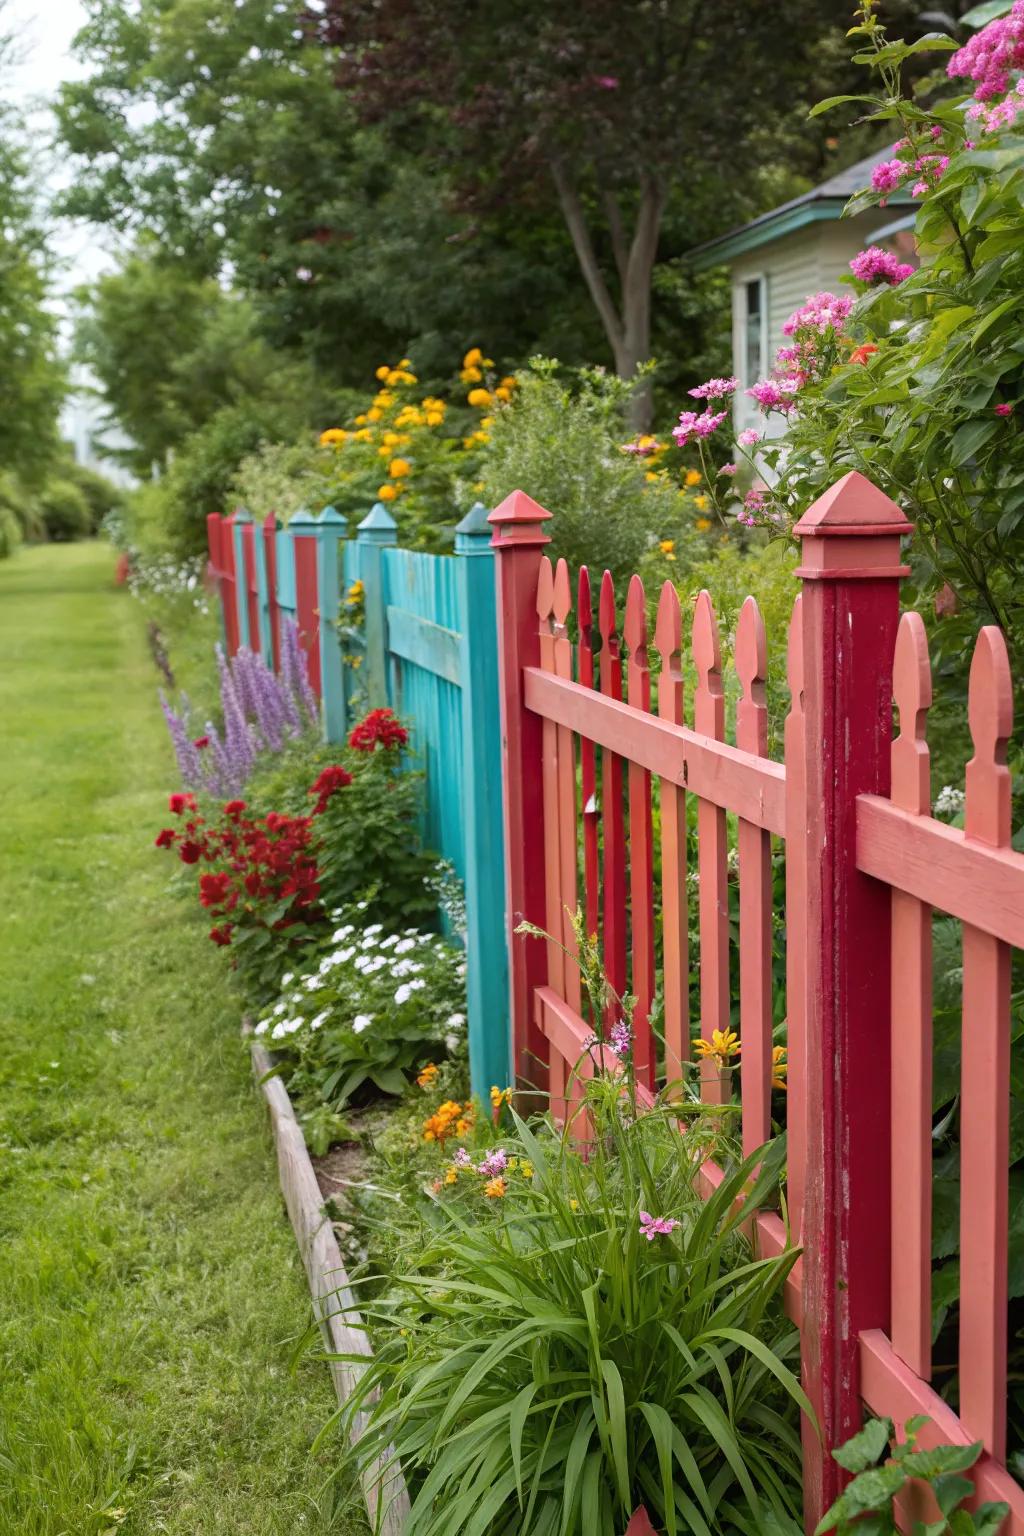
x: 303, y: 531
x: 266, y: 583
x: 518, y: 541
x: 849, y: 613
x: 490, y: 1054
x: 332, y: 526
x: 240, y: 521
x: 377, y: 531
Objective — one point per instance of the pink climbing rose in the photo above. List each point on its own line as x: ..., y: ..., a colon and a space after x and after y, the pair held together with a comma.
x: 877, y: 266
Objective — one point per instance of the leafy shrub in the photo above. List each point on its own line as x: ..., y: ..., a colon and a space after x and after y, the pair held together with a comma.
x: 65, y: 511
x: 10, y: 532
x: 376, y: 1006
x: 102, y: 495
x: 599, y: 1338
x: 883, y: 1468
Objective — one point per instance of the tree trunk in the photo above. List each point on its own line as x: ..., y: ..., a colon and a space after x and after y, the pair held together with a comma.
x: 627, y: 324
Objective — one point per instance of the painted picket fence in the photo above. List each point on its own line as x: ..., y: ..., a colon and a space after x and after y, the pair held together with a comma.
x: 428, y: 649
x: 593, y: 728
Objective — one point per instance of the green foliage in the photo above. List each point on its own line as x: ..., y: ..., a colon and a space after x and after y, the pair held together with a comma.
x: 543, y: 1365
x: 373, y: 1007
x: 884, y: 1467
x: 65, y: 512
x: 561, y: 442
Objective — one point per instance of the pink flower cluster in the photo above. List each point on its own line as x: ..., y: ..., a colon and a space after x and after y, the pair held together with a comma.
x: 877, y: 266
x: 891, y: 174
x: 656, y: 1226
x: 817, y: 313
x: 691, y: 425
x: 1004, y: 114
x: 714, y: 389
x: 494, y: 1163
x: 991, y: 54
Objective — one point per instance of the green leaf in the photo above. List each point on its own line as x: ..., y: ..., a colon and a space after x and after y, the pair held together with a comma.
x: 870, y: 1492
x: 967, y: 439
x: 835, y: 101
x: 516, y: 1420
x: 993, y: 315
x: 616, y: 1399
x: 981, y: 15
x: 661, y: 1428
x: 864, y: 1449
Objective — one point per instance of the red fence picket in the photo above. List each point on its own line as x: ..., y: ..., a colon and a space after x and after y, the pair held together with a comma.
x: 221, y: 547
x: 865, y: 868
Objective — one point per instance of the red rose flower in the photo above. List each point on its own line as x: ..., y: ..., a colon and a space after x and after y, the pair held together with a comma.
x: 213, y: 890
x: 165, y: 838
x: 190, y: 853
x: 178, y: 803
x: 201, y: 742
x: 380, y: 728
x: 221, y: 935
x: 329, y: 782
x: 234, y: 809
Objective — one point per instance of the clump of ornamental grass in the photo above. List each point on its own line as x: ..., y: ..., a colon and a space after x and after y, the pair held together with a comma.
x: 585, y: 1335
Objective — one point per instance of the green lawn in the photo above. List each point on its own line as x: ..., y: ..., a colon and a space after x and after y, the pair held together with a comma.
x: 150, y: 1292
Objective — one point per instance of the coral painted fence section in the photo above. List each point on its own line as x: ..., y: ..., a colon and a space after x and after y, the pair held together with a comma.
x: 427, y: 647
x: 595, y: 736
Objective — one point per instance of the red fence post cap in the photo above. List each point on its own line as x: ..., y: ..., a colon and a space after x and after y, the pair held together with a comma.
x: 852, y: 532
x: 517, y: 521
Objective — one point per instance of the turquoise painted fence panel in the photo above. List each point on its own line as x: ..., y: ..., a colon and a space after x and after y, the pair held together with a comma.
x: 425, y: 586
x: 285, y: 573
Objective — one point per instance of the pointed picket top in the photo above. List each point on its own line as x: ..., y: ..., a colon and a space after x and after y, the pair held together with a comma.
x: 584, y: 605
x: 377, y: 527
x: 634, y: 628
x: 303, y: 520
x: 751, y: 660
x: 912, y: 692
x: 518, y: 520
x: 561, y: 601
x: 795, y: 658
x: 668, y: 627
x: 545, y: 589
x: 990, y: 717
x: 330, y: 517
x: 242, y: 515
x: 606, y: 608
x: 476, y: 521
x: 640, y: 1524
x: 271, y: 521
x: 707, y: 650
x: 854, y: 505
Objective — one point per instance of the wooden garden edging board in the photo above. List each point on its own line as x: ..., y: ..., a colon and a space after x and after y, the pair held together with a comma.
x: 333, y: 1301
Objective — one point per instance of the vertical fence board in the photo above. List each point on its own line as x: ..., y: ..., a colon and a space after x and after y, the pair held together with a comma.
x: 911, y: 1113
x: 712, y: 852
x: 567, y: 855
x: 796, y: 915
x: 641, y: 881
x: 668, y: 641
x: 755, y: 877
x: 332, y: 527
x: 303, y: 531
x: 588, y: 761
x: 985, y: 1072
x: 552, y: 840
x: 610, y: 665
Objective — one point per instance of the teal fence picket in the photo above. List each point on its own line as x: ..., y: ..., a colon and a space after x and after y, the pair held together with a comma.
x: 377, y: 531
x: 332, y: 527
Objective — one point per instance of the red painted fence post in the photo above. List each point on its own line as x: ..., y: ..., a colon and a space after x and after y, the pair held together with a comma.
x: 229, y: 581
x: 851, y: 572
x: 518, y: 541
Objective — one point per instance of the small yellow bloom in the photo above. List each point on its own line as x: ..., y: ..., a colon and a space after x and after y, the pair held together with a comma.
x: 463, y: 1127
x: 384, y: 451
x: 471, y: 375
x: 374, y: 414
x: 526, y: 1169
x: 779, y: 1067
x: 500, y: 1096
x: 434, y: 418
x: 723, y: 1045
x: 364, y: 435
x: 508, y: 382
x: 333, y: 435
x: 652, y: 474
x: 487, y: 421
x: 479, y: 397
x: 390, y: 437
x: 361, y: 420
x: 495, y: 1188
x: 693, y: 477
x: 667, y: 546
x: 427, y: 1076
x: 382, y: 372
x: 701, y: 503
x: 702, y: 524
x: 451, y: 1176
x: 503, y: 393
x: 387, y: 492
x: 353, y: 598
x: 472, y: 358
x: 398, y: 468
x: 574, y: 1205
x: 406, y: 362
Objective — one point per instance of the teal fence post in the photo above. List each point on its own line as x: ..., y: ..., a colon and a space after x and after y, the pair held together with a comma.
x: 238, y: 521
x: 265, y: 583
x: 331, y: 528
x: 490, y: 1045
x: 377, y: 532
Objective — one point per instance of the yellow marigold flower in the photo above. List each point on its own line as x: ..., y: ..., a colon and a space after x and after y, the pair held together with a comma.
x: 364, y: 435
x: 427, y: 1076
x: 508, y: 382
x: 387, y: 492
x: 390, y: 437
x: 503, y: 393
x: 479, y: 397
x: 333, y: 435
x: 495, y: 1188
x: 374, y: 413
x: 382, y: 372
x: 472, y: 358
x: 463, y: 1127
x: 403, y: 376
x: 574, y: 1205
x: 652, y: 474
x: 406, y: 362
x: 693, y: 477
x: 701, y: 503
x: 667, y: 546
x: 398, y: 468
x: 500, y: 1096
x: 451, y: 1177
x: 487, y: 421
x: 471, y: 375
x: 480, y: 437
x: 384, y: 451
x: 361, y: 420
x: 526, y: 1168
x: 434, y: 418
x: 353, y: 598
x: 355, y: 662
x: 477, y: 486
x: 702, y: 524
x: 779, y: 1067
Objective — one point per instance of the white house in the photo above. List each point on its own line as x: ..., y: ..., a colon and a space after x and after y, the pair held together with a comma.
x: 780, y: 258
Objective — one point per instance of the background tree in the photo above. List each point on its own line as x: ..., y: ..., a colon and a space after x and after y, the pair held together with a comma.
x: 616, y: 108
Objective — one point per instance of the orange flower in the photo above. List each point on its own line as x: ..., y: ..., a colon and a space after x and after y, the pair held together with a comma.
x: 861, y: 354
x: 495, y: 1188
x: 427, y: 1076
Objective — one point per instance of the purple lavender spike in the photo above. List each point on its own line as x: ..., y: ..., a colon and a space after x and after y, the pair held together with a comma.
x: 186, y: 752
x: 295, y: 674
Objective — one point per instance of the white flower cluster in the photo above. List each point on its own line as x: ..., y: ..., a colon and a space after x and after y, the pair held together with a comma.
x: 166, y: 576
x: 949, y: 801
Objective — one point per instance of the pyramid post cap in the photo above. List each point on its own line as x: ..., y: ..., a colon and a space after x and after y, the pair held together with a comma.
x: 271, y: 521
x: 517, y: 521
x: 475, y: 524
x: 853, y: 506
x: 242, y: 515
x: 303, y: 519
x: 330, y: 517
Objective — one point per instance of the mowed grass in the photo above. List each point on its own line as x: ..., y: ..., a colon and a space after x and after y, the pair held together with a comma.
x: 150, y: 1291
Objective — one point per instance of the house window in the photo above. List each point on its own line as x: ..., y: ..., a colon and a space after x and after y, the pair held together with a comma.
x: 754, y: 330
